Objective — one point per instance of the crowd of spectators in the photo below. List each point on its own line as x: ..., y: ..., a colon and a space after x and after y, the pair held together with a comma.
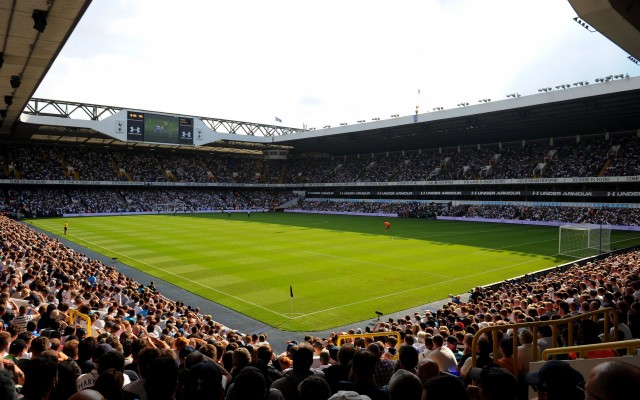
x: 415, y: 209
x: 142, y: 345
x: 564, y: 158
x: 412, y: 209
x: 44, y: 202
x: 626, y: 158
x: 604, y: 216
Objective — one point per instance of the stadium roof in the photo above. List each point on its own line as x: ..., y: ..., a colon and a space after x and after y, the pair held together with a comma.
x: 610, y: 106
x: 32, y: 34
x: 607, y: 107
x: 618, y: 20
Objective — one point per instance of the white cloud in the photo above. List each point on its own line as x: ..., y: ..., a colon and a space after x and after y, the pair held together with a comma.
x: 322, y: 62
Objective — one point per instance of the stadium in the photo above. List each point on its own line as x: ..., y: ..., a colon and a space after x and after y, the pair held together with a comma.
x: 224, y: 234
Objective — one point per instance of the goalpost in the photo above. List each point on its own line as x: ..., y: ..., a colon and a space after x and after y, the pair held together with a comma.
x: 585, y: 240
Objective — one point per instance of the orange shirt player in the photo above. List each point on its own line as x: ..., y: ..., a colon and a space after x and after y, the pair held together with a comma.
x: 387, y: 225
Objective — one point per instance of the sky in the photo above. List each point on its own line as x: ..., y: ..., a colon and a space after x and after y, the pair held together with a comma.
x: 317, y: 63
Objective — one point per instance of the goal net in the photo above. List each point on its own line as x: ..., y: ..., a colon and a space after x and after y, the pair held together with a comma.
x: 581, y: 241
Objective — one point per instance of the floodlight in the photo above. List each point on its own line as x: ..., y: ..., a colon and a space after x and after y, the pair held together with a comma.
x: 39, y: 20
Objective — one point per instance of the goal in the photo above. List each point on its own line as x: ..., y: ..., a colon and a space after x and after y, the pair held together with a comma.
x: 581, y: 241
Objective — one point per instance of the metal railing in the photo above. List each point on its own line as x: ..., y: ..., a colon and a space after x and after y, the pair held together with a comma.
x: 555, y: 324
x: 75, y: 315
x: 581, y: 351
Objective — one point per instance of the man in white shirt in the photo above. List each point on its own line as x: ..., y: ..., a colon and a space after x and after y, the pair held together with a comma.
x: 443, y: 356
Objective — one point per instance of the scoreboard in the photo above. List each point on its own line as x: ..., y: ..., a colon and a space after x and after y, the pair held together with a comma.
x: 157, y: 128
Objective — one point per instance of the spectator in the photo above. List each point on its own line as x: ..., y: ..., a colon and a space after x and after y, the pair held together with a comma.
x: 556, y: 380
x: 361, y: 377
x: 384, y: 367
x: 301, y: 369
x: 427, y: 370
x: 525, y: 350
x: 204, y: 381
x: 349, y: 395
x: 506, y: 361
x: 251, y: 385
x: 405, y: 385
x: 41, y: 378
x: 444, y: 386
x: 87, y: 394
x: 494, y: 383
x: 161, y: 379
x: 612, y: 380
x: 7, y: 385
x: 144, y: 358
x: 443, y: 356
x: 314, y: 388
x: 408, y: 359
x: 588, y: 333
x: 340, y: 371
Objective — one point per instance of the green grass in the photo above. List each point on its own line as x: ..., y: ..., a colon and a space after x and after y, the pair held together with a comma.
x: 341, y: 268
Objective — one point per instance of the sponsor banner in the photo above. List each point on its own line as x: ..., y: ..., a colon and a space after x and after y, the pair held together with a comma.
x: 472, y: 182
x: 540, y: 223
x: 481, y: 193
x: 390, y: 215
x: 544, y: 204
x: 209, y: 211
x: 476, y: 182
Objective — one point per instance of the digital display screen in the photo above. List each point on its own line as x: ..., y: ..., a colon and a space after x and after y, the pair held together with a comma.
x: 156, y: 128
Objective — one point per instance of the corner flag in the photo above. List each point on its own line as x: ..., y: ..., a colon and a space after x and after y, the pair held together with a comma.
x: 291, y: 290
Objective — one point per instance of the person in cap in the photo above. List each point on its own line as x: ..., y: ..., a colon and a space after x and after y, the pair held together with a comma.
x: 88, y: 380
x: 452, y: 344
x: 493, y: 383
x: 556, y: 380
x: 16, y: 350
x: 87, y: 394
x: 349, y: 395
x: 612, y: 380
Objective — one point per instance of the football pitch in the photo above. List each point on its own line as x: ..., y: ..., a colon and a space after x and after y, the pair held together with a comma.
x: 339, y: 269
